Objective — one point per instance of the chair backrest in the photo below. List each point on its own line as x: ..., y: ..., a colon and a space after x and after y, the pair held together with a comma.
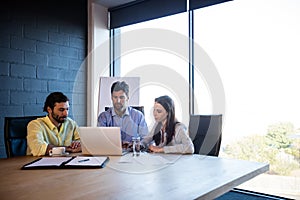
x: 206, y: 133
x: 140, y: 108
x: 15, y: 132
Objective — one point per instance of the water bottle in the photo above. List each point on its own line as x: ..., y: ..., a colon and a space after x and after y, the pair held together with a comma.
x: 136, y: 146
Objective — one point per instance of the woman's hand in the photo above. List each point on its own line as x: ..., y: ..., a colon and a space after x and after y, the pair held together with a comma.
x: 156, y: 149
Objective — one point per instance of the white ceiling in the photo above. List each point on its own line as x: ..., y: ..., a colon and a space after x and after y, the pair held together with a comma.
x: 112, y: 3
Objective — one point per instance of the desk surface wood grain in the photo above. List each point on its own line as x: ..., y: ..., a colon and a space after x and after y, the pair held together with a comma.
x: 182, y: 177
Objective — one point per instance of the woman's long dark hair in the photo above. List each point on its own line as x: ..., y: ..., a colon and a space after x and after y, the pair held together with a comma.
x: 168, y: 105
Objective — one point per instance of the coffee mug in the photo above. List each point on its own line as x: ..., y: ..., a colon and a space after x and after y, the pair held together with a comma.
x: 57, y: 151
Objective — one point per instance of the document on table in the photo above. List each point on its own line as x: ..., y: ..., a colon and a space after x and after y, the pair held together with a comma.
x: 87, y: 161
x: 67, y: 162
x: 51, y: 161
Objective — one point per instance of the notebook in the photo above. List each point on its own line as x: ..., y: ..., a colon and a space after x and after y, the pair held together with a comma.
x: 99, y: 141
x: 75, y: 162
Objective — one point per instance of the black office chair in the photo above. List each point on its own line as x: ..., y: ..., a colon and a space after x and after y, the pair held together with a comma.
x: 15, y: 132
x: 206, y: 133
x: 140, y: 108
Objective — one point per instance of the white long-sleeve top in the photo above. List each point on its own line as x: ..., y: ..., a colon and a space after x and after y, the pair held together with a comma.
x: 181, y: 142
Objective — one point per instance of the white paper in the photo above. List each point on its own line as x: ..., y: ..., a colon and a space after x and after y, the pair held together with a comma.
x: 87, y: 161
x: 51, y: 161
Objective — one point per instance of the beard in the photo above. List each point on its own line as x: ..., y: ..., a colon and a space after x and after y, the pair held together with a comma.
x: 59, y: 119
x: 119, y: 107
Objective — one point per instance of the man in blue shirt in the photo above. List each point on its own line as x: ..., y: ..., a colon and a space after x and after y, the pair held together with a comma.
x: 131, y: 121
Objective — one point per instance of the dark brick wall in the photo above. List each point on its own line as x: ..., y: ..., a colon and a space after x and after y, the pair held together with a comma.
x: 42, y: 47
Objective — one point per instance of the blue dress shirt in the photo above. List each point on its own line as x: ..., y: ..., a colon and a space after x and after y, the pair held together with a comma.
x: 132, y: 123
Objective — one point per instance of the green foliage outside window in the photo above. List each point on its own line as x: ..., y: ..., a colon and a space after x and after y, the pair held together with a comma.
x: 277, y: 148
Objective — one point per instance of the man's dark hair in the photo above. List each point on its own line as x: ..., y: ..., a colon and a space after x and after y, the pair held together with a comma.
x: 54, y: 97
x: 117, y: 86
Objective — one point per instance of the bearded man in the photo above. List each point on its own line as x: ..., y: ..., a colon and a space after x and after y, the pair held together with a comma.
x: 54, y: 130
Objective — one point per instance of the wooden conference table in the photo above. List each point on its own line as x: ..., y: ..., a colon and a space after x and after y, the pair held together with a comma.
x: 150, y: 176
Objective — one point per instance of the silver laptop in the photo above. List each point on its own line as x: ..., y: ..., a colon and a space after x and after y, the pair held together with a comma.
x: 101, y: 141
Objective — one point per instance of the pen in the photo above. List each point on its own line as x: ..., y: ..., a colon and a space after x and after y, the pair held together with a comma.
x: 83, y: 160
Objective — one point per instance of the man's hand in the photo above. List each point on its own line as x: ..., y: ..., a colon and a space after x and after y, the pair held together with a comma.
x: 74, y: 147
x: 126, y: 145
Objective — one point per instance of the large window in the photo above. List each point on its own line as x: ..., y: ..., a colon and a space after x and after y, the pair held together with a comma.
x: 254, y: 45
x: 251, y: 47
x: 162, y: 67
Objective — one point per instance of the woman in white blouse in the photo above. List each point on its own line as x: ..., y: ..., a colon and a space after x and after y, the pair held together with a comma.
x: 168, y: 135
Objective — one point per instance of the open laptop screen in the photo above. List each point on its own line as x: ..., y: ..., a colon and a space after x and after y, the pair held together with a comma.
x: 100, y: 141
